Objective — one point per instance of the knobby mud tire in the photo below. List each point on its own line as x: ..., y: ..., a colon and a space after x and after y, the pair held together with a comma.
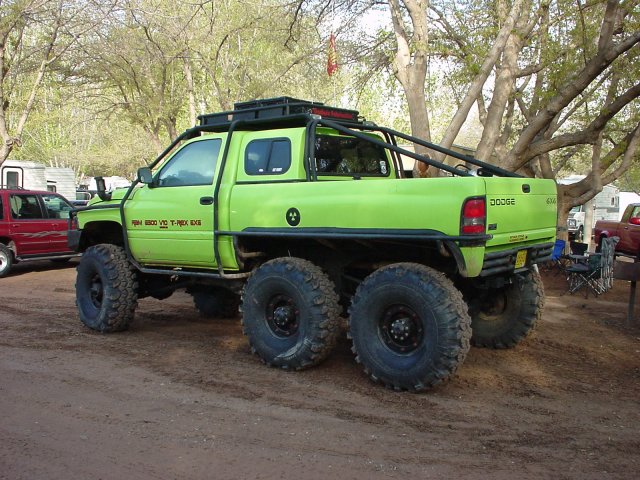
x: 510, y: 313
x: 290, y: 313
x: 432, y: 312
x: 106, y: 289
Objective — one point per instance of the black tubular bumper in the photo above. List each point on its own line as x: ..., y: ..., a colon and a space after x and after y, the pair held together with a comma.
x: 505, y: 260
x: 73, y: 239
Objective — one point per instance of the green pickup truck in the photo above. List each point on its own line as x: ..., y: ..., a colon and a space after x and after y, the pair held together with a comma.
x: 299, y: 214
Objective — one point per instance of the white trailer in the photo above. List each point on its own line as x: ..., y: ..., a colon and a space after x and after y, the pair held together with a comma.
x: 61, y: 180
x: 35, y: 176
x: 23, y: 174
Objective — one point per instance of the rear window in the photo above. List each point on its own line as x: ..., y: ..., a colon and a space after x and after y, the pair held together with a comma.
x: 267, y: 157
x: 342, y: 155
x: 25, y: 207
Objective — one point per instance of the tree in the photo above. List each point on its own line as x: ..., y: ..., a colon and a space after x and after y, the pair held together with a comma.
x: 34, y: 35
x: 545, y: 76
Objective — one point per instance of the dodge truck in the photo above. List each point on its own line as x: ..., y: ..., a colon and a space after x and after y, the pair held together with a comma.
x: 298, y: 214
x: 627, y: 230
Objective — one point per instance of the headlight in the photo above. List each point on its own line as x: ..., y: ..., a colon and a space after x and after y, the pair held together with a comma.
x: 571, y: 222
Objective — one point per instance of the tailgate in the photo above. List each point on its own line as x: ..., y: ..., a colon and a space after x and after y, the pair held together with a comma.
x: 521, y: 215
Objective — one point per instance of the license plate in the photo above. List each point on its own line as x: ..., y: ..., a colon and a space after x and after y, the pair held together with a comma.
x: 521, y: 258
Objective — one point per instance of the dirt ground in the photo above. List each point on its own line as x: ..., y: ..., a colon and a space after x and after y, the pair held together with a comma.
x: 180, y: 397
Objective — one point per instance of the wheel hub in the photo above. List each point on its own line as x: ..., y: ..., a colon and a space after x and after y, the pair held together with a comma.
x: 96, y: 291
x: 493, y: 305
x: 401, y: 329
x: 282, y: 316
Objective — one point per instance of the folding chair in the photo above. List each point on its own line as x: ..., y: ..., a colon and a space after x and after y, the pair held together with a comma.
x: 587, y: 276
x: 578, y: 248
x: 558, y: 258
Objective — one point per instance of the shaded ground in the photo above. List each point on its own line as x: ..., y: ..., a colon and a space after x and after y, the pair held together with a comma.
x: 180, y: 397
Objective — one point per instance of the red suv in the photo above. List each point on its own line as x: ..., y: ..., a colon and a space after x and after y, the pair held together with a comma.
x: 33, y: 226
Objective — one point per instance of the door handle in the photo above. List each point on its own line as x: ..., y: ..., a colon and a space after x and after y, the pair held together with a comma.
x: 206, y: 200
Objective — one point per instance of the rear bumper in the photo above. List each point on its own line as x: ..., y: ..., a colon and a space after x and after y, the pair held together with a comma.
x: 73, y: 240
x: 504, y: 261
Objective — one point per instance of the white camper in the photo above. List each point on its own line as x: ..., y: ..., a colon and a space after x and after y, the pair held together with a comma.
x: 604, y: 206
x: 23, y: 174
x: 35, y: 176
x: 61, y: 180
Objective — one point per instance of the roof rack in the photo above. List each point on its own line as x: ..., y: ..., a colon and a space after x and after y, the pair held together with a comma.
x: 278, y: 108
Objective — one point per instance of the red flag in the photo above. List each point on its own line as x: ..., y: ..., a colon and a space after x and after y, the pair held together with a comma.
x: 332, y: 60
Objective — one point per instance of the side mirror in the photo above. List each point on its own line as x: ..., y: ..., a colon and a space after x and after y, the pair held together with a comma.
x: 145, y: 176
x: 634, y: 220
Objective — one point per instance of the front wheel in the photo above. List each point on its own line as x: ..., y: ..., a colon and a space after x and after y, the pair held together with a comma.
x: 290, y: 313
x: 503, y: 317
x: 410, y: 327
x: 106, y: 289
x: 6, y: 260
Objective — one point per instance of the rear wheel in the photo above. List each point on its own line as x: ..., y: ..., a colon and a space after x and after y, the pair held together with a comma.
x: 6, y: 260
x: 503, y: 317
x: 410, y: 327
x: 106, y: 289
x: 290, y: 313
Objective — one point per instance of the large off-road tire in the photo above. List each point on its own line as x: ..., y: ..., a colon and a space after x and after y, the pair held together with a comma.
x: 503, y: 317
x: 290, y: 313
x: 106, y: 289
x: 410, y: 327
x: 216, y: 302
x: 6, y: 260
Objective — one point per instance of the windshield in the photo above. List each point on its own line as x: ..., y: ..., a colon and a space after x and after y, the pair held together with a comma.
x: 576, y: 209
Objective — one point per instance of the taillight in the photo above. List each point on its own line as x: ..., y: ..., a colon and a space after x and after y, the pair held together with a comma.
x: 474, y: 216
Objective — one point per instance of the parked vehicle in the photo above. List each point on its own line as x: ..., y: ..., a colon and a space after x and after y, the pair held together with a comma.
x: 82, y: 198
x: 605, y: 206
x: 33, y: 226
x: 304, y: 210
x: 627, y: 229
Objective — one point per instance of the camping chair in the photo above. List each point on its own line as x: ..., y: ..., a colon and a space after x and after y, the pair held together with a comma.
x: 587, y: 275
x: 578, y: 248
x: 558, y: 258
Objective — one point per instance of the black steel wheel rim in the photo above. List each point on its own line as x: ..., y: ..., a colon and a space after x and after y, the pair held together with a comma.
x: 282, y: 315
x: 96, y: 290
x: 401, y: 329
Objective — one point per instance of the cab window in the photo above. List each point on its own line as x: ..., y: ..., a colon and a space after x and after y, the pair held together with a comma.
x: 194, y: 164
x: 25, y: 207
x: 267, y: 157
x: 341, y: 155
x: 56, y: 206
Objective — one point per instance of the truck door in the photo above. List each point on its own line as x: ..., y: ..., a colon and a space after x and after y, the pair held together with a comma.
x: 629, y: 233
x: 171, y: 221
x: 28, y: 226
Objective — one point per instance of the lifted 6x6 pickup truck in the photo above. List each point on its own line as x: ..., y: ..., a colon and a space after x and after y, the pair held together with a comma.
x: 299, y: 213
